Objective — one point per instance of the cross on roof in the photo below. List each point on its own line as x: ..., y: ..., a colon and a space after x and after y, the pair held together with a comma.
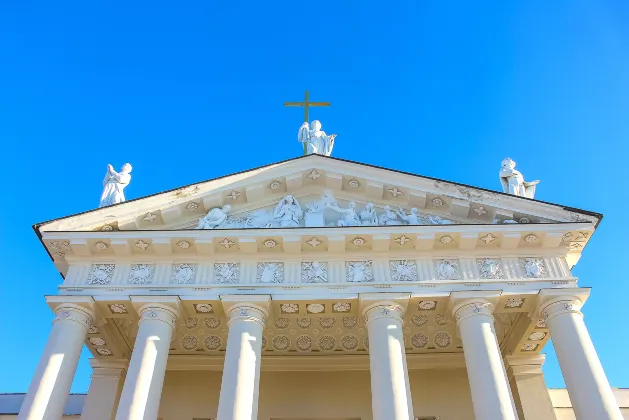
x: 306, y: 104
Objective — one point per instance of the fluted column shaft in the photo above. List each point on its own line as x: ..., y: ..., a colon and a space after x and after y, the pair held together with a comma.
x: 50, y: 386
x: 589, y: 389
x: 241, y: 372
x: 390, y: 389
x: 142, y: 389
x: 491, y: 395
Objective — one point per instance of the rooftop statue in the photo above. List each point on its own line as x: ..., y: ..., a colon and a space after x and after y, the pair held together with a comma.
x: 513, y: 181
x: 113, y: 185
x: 315, y: 139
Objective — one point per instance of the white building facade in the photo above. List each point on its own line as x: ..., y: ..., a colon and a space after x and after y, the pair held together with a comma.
x: 327, y: 289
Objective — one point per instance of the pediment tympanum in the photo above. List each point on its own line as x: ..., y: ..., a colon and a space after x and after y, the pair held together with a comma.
x: 335, y: 202
x: 324, y: 189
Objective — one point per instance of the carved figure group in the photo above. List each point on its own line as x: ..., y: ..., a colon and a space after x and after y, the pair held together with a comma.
x: 288, y: 213
x: 348, y: 215
x: 214, y: 218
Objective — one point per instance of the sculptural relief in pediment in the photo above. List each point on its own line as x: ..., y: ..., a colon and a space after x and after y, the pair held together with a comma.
x: 312, y: 211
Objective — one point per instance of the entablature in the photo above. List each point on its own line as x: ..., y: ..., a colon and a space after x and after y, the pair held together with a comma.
x: 409, y: 242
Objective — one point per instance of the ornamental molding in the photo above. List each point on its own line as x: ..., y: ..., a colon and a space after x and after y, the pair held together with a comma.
x: 469, y: 310
x: 335, y: 330
x: 74, y: 314
x: 158, y: 313
x: 560, y: 307
x: 247, y: 313
x: 293, y: 273
x: 383, y: 310
x: 423, y: 240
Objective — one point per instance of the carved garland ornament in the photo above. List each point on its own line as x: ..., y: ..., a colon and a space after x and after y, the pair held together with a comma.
x: 447, y: 269
x: 270, y: 272
x: 350, y: 321
x: 533, y: 267
x: 358, y: 271
x: 490, y: 268
x: 303, y: 343
x: 141, y: 273
x: 213, y: 342
x: 314, y: 272
x: 403, y: 270
x: 212, y: 322
x: 326, y: 342
x: 101, y: 274
x: 183, y: 273
x: 419, y: 340
x: 289, y: 308
x: 419, y: 320
x: 227, y: 273
x: 189, y: 342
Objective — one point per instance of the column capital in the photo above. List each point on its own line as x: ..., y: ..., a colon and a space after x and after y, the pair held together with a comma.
x: 475, y: 308
x: 466, y: 304
x: 254, y: 308
x: 79, y: 309
x: 390, y: 304
x: 383, y: 309
x: 74, y: 313
x: 158, y: 312
x: 553, y: 302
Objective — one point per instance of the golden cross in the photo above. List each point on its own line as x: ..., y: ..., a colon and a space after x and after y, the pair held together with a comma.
x: 306, y: 104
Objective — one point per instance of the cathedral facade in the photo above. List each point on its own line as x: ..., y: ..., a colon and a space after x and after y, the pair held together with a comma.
x: 321, y: 289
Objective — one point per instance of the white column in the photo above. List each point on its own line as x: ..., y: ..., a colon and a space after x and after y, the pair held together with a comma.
x: 491, y: 395
x: 241, y: 372
x: 142, y: 389
x: 102, y: 398
x: 390, y: 389
x: 51, y: 383
x: 587, y: 384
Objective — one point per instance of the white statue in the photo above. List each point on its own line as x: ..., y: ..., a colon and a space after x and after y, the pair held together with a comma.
x: 214, y: 218
x: 368, y: 216
x: 389, y: 218
x: 113, y: 185
x: 348, y: 215
x: 316, y: 139
x: 513, y: 181
x: 410, y: 219
x: 288, y: 212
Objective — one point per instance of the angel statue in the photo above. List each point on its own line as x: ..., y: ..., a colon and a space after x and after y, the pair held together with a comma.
x: 316, y: 140
x: 214, y: 218
x: 513, y: 181
x: 288, y: 212
x: 113, y: 185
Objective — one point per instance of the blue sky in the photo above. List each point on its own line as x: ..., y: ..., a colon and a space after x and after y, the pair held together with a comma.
x: 193, y: 90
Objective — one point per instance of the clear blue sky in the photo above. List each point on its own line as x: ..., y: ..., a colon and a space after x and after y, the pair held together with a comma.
x: 189, y: 91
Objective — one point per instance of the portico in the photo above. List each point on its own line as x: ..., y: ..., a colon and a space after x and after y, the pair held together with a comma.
x: 334, y: 319
x: 384, y: 316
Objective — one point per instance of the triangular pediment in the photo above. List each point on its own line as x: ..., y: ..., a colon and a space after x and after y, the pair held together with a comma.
x: 255, y: 194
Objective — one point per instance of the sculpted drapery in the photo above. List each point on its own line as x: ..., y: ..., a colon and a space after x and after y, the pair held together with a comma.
x: 114, y: 184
